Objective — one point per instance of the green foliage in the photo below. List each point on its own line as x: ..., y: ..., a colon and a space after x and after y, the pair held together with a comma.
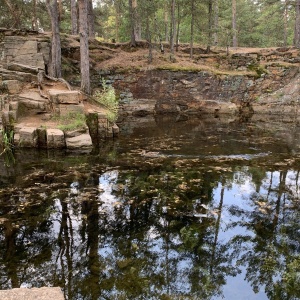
x: 71, y: 121
x: 107, y: 98
x: 7, y: 145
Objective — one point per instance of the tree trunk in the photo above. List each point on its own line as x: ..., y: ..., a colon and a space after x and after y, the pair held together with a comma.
x: 216, y: 21
x: 172, y: 29
x: 209, y: 26
x: 192, y: 28
x: 118, y: 18
x: 54, y: 69
x: 234, y: 29
x: 297, y: 25
x: 74, y: 18
x: 178, y: 26
x: 91, y: 19
x: 84, y: 47
x: 166, y: 21
x: 150, y: 56
x: 285, y: 22
x: 132, y: 24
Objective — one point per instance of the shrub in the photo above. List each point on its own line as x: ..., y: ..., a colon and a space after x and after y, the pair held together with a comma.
x: 107, y: 98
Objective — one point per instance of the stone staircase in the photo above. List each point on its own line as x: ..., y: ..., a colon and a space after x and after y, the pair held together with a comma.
x: 30, y: 106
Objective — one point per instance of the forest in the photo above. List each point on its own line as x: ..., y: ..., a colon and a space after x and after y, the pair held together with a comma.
x: 243, y: 23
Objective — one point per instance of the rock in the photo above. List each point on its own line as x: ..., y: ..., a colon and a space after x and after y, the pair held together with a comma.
x: 44, y: 293
x: 115, y: 130
x: 28, y: 137
x: 65, y: 109
x: 64, y: 97
x: 20, y: 67
x: 80, y: 142
x: 77, y: 132
x: 12, y: 86
x: 55, y: 138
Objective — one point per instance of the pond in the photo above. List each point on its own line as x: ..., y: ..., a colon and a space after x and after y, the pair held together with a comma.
x: 172, y: 209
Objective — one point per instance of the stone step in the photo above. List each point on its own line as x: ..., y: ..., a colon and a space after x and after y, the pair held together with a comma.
x: 64, y: 97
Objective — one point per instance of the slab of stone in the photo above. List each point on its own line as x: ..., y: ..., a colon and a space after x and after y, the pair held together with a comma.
x: 28, y: 137
x: 12, y: 86
x: 55, y: 138
x: 66, y: 109
x: 21, y: 67
x: 64, y: 97
x: 29, y: 47
x: 79, y: 142
x: 44, y: 293
x: 76, y: 132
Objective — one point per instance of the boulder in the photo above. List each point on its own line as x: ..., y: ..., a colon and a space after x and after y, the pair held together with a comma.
x: 64, y: 97
x: 28, y: 137
x: 80, y: 142
x: 55, y: 138
x: 12, y: 86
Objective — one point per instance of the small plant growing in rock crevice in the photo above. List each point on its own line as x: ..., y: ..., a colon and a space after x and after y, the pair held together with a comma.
x: 7, y: 145
x: 107, y: 98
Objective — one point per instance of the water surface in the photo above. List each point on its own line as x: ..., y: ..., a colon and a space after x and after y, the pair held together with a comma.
x: 172, y: 209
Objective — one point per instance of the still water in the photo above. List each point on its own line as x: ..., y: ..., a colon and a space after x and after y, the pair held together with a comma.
x: 172, y: 209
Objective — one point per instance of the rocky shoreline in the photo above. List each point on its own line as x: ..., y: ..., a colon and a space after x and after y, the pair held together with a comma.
x: 255, y: 83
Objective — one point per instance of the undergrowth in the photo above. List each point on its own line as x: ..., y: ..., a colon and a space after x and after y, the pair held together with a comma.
x: 71, y: 121
x: 107, y: 98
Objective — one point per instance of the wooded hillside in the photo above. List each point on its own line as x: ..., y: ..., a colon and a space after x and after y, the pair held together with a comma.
x: 243, y: 23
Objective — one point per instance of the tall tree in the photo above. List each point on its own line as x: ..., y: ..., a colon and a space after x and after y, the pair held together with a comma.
x: 74, y: 17
x: 216, y: 21
x: 297, y: 25
x: 132, y: 24
x: 192, y: 28
x: 54, y: 69
x: 210, y: 22
x: 91, y: 19
x: 234, y: 27
x: 172, y: 29
x: 84, y: 46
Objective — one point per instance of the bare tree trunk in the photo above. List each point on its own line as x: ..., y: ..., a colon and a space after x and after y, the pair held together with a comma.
x: 172, y: 29
x: 132, y: 24
x: 166, y: 21
x: 192, y: 28
x: 285, y: 21
x: 118, y: 13
x: 74, y: 17
x: 91, y: 19
x: 178, y: 26
x: 234, y: 29
x: 136, y: 20
x: 209, y: 26
x: 54, y: 70
x: 150, y: 56
x: 297, y: 25
x: 216, y: 21
x: 84, y: 47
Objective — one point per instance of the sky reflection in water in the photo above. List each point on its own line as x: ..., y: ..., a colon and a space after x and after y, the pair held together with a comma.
x: 188, y: 211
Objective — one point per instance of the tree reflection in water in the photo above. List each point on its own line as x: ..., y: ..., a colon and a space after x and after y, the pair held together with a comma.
x: 119, y: 225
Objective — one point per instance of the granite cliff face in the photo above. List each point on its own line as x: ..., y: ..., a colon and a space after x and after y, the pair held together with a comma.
x: 31, y: 102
